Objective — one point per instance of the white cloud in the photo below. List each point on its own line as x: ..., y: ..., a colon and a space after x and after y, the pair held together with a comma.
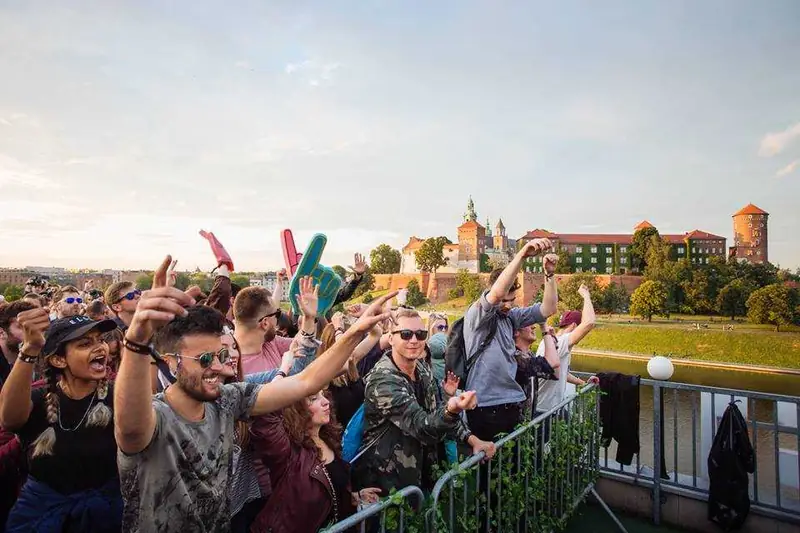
x: 788, y: 169
x: 317, y: 72
x: 242, y: 64
x: 14, y: 172
x: 774, y: 143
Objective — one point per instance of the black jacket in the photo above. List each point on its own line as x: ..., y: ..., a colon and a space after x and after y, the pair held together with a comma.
x: 619, y: 413
x: 730, y: 461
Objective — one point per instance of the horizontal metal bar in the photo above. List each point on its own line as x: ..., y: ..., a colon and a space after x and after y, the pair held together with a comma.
x: 369, y: 512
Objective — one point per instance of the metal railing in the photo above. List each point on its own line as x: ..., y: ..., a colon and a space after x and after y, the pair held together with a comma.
x: 677, y: 437
x: 389, y: 514
x: 539, y: 474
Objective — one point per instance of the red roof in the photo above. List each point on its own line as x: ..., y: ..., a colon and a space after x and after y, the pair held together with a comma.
x: 413, y: 243
x: 470, y: 224
x: 697, y: 234
x: 643, y: 224
x: 613, y: 238
x: 750, y: 209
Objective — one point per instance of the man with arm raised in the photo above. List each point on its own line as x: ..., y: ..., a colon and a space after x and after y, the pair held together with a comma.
x: 175, y: 448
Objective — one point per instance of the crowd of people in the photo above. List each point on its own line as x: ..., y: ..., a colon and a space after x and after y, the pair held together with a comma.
x: 172, y: 410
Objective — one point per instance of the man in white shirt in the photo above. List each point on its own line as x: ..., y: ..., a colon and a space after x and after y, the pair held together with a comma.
x: 572, y: 328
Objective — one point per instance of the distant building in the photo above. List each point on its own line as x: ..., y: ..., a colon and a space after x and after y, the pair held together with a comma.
x: 268, y: 281
x: 750, y: 235
x: 15, y: 276
x: 611, y: 253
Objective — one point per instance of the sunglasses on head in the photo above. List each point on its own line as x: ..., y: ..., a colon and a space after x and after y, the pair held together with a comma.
x: 206, y: 359
x: 129, y: 296
x: 72, y: 300
x: 406, y: 334
x: 276, y: 314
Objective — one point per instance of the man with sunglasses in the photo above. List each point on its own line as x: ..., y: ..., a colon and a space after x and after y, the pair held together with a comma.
x: 122, y: 298
x: 404, y: 421
x: 493, y: 373
x: 69, y: 302
x: 256, y: 318
x: 175, y: 448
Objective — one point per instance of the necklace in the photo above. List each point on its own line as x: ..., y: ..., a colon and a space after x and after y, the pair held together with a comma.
x: 82, y: 418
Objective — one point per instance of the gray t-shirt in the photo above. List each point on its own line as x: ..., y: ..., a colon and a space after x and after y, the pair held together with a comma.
x: 180, y: 481
x: 493, y: 375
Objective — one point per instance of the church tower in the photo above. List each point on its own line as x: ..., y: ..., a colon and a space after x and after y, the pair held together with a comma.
x: 500, y: 237
x: 471, y: 240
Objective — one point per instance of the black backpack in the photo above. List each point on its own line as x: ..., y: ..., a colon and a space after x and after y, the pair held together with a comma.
x: 455, y: 356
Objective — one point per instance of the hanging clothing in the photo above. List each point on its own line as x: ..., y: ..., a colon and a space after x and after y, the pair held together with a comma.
x: 619, y: 413
x: 730, y: 461
x: 97, y: 510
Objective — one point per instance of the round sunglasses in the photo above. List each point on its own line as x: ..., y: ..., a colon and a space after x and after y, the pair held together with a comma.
x: 206, y: 359
x: 406, y: 334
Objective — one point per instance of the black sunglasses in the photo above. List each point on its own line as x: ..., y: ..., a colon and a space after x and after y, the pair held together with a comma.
x: 406, y: 334
x: 276, y: 314
x: 206, y: 359
x: 129, y: 296
x: 442, y: 327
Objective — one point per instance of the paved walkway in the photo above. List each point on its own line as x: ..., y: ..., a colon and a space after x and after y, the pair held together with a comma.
x: 592, y: 519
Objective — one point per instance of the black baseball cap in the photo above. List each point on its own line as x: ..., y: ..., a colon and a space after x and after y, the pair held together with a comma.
x: 73, y: 327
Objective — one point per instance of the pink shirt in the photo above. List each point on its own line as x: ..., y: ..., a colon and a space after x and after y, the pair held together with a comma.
x: 268, y: 359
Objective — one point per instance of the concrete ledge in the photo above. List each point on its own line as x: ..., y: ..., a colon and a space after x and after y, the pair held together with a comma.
x: 684, y: 512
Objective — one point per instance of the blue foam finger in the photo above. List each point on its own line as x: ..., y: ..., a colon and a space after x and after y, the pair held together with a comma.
x: 325, y: 277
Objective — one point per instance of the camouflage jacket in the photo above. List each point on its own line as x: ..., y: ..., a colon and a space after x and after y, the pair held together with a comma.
x: 405, y: 430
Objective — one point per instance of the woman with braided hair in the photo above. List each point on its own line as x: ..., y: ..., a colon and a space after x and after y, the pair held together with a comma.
x: 67, y: 427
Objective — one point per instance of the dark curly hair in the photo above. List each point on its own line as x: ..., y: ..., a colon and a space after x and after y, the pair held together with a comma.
x: 200, y: 320
x: 296, y: 420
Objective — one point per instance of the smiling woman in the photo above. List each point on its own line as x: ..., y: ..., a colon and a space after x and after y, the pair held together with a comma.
x: 67, y: 426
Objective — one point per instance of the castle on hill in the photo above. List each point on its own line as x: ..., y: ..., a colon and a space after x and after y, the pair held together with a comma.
x: 592, y: 252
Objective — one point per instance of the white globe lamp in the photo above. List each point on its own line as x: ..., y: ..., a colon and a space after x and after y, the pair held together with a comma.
x: 660, y: 368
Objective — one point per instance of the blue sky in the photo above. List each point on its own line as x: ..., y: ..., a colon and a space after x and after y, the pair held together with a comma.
x: 125, y: 127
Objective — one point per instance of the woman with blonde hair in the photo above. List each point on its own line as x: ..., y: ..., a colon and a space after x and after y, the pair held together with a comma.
x: 66, y: 426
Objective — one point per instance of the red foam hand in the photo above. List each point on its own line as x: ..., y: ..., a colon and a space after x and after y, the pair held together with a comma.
x: 290, y: 254
x: 222, y: 256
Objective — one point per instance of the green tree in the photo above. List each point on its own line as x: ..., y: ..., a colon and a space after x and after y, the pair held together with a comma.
x: 340, y: 270
x: 468, y: 285
x: 613, y: 299
x: 202, y: 280
x: 13, y: 293
x: 486, y: 265
x: 773, y: 304
x: 415, y: 298
x: 430, y: 256
x: 241, y: 280
x: 385, y: 260
x: 697, y: 292
x: 649, y: 299
x: 641, y: 245
x: 367, y: 283
x: 564, y: 264
x: 568, y: 291
x: 144, y: 282
x: 368, y: 297
x: 183, y: 281
x: 732, y: 299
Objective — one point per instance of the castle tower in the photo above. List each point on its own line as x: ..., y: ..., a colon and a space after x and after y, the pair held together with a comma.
x: 500, y: 237
x: 488, y: 228
x: 471, y: 240
x: 750, y: 234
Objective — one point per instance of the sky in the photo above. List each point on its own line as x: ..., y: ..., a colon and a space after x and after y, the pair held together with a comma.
x: 126, y: 127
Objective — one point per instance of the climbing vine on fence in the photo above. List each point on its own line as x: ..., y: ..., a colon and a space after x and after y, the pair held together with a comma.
x: 540, y: 485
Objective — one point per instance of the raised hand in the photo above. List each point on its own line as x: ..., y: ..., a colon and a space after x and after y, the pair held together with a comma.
x: 156, y: 308
x: 172, y: 276
x: 308, y: 299
x: 450, y: 384
x: 466, y: 401
x: 549, y: 264
x: 220, y: 254
x: 355, y: 310
x: 373, y: 314
x: 329, y: 282
x: 33, y: 323
x: 283, y: 276
x: 194, y: 292
x: 583, y: 290
x: 537, y: 246
x: 338, y: 321
x: 160, y: 275
x: 486, y: 447
x: 359, y: 264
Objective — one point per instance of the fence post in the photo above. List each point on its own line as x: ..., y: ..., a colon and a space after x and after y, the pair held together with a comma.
x: 658, y: 451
